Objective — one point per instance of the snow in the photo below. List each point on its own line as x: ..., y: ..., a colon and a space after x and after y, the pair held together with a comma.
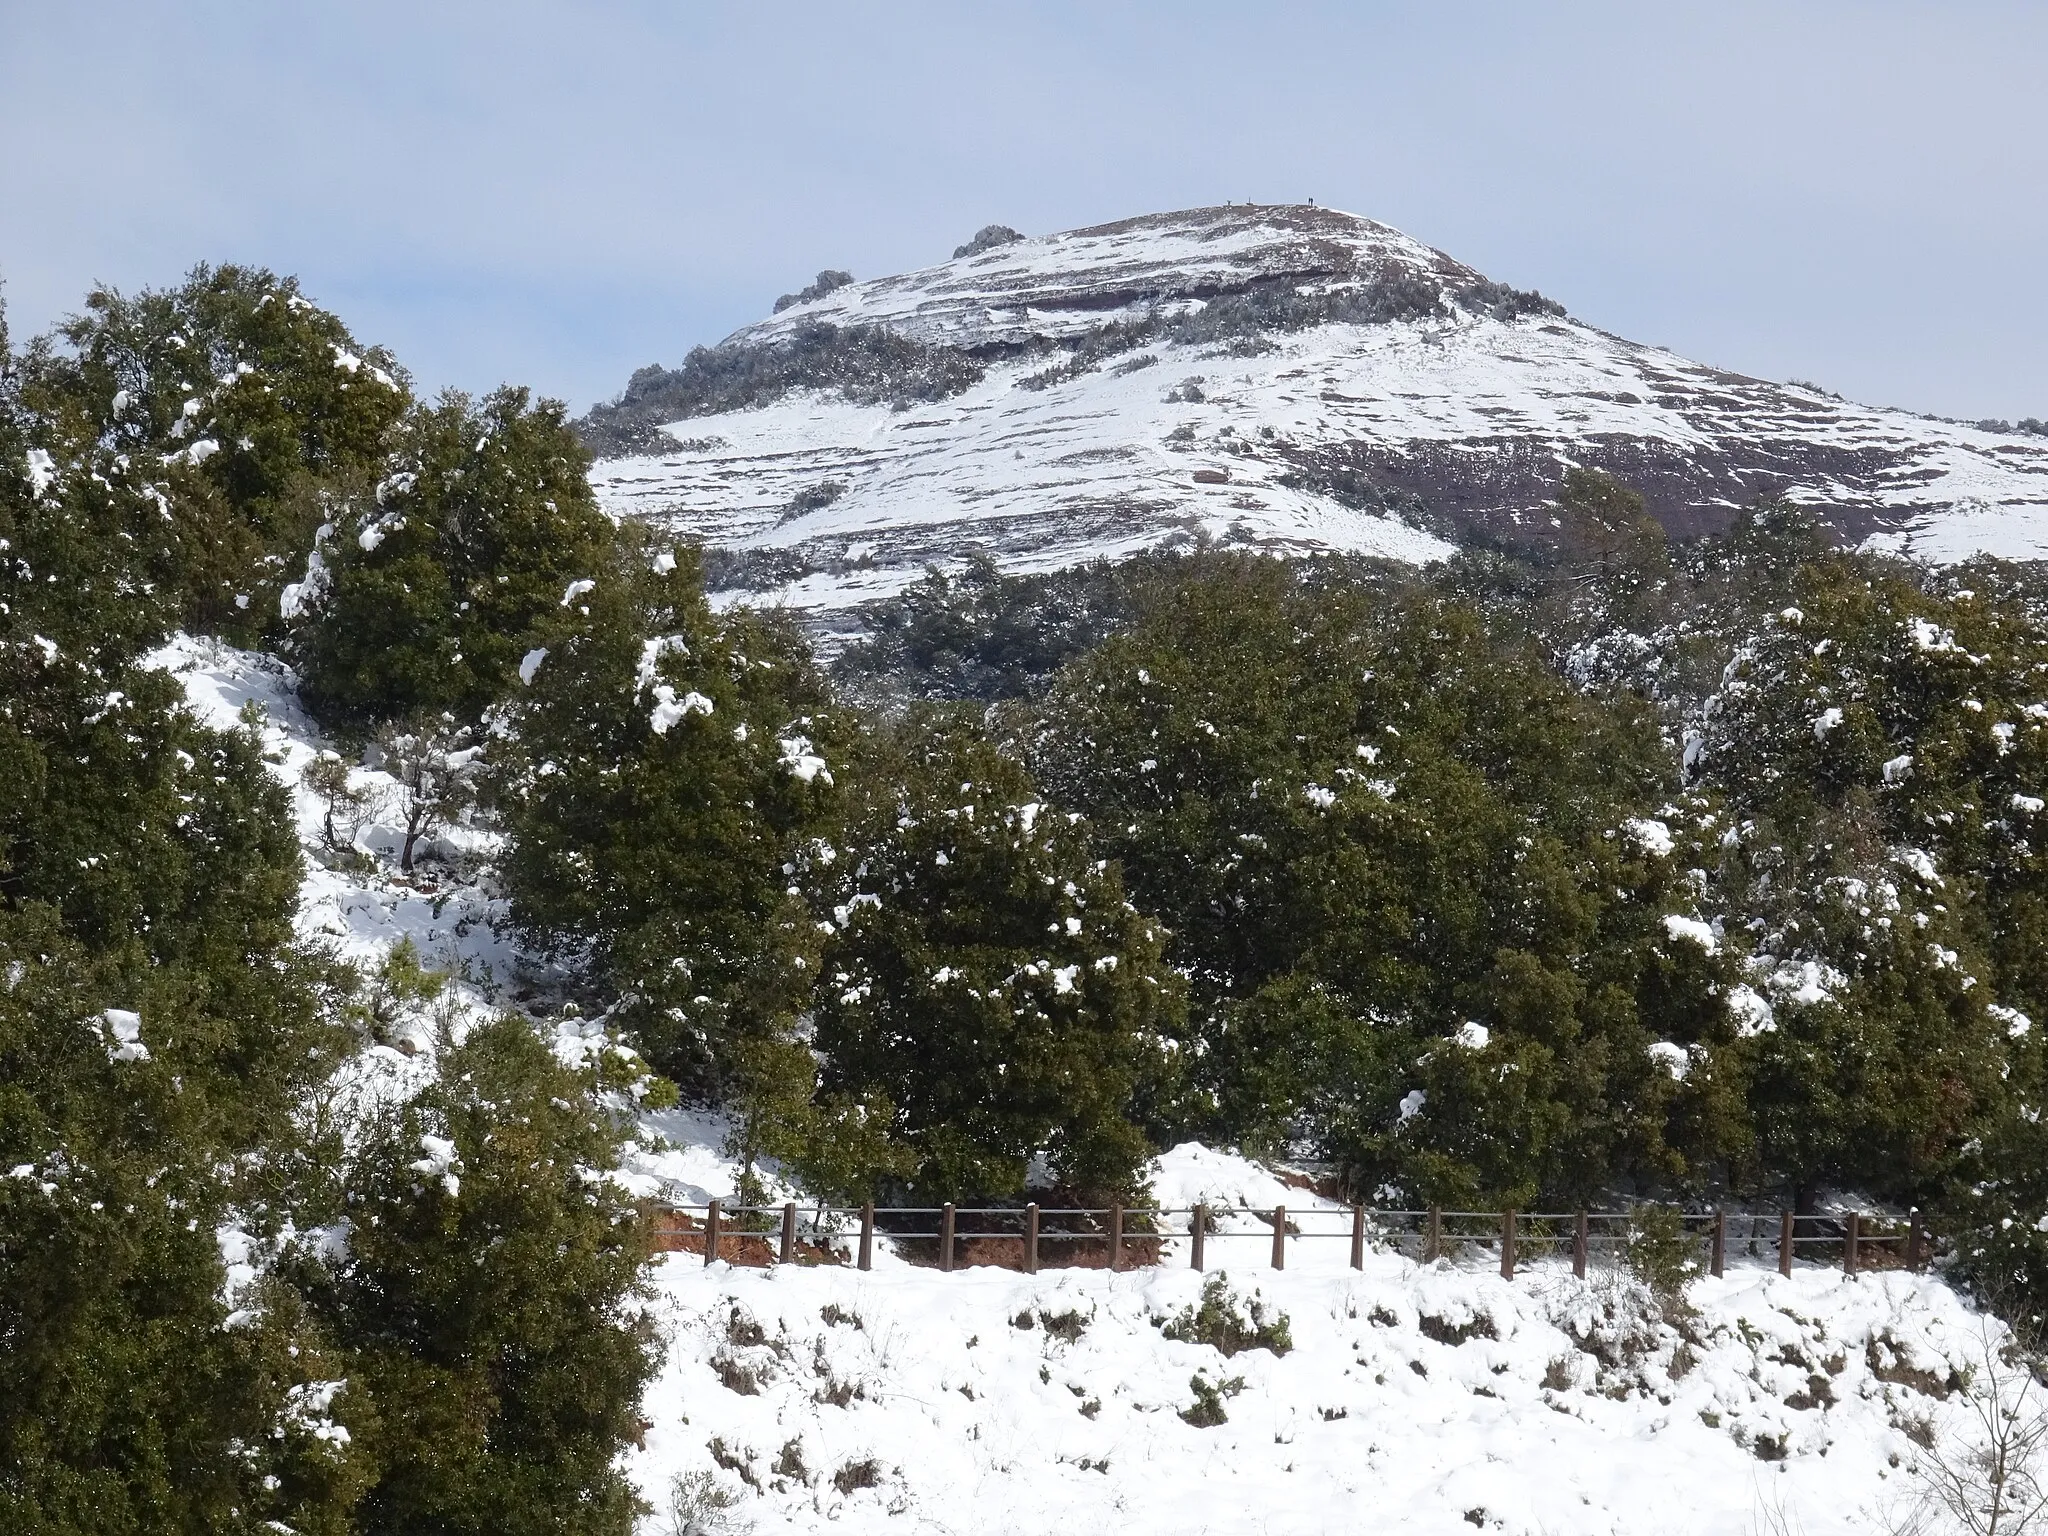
x: 1473, y: 1035
x: 2016, y: 1024
x: 123, y: 1030
x: 307, y: 1407
x: 1928, y: 637
x: 1652, y: 836
x: 1826, y: 721
x: 1752, y: 1014
x: 439, y: 1162
x: 1691, y: 929
x: 42, y: 472
x: 1806, y: 982
x: 362, y: 916
x: 974, y: 1423
x: 529, y: 664
x: 1918, y: 860
x: 801, y: 761
x: 1102, y: 465
x: 1672, y: 1058
x: 668, y: 709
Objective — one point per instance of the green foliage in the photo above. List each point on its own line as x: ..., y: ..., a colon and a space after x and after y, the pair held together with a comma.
x: 1609, y: 528
x: 164, y: 1040
x: 979, y: 634
x: 1207, y: 1411
x: 432, y: 765
x: 1229, y: 1323
x: 489, y: 1301
x: 664, y: 782
x: 1660, y: 1252
x: 988, y: 977
x: 1370, y: 823
x: 1995, y: 1217
x: 1873, y: 744
x: 429, y: 592
x: 214, y: 415
x: 158, y: 1029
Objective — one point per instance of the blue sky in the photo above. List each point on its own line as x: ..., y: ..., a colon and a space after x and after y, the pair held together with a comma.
x: 554, y: 194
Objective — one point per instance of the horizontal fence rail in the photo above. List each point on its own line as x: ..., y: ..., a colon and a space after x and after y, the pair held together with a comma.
x: 1115, y: 1237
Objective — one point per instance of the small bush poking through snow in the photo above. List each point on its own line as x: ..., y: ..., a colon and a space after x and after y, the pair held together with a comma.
x: 1068, y: 1325
x: 1206, y: 1411
x: 1229, y: 1323
x: 699, y: 1505
x: 1660, y: 1252
x: 858, y: 1474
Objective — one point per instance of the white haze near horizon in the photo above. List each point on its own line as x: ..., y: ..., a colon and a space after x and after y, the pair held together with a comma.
x: 555, y: 194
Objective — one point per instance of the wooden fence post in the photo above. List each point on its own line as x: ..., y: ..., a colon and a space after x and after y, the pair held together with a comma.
x: 1507, y: 1245
x: 1433, y: 1242
x: 1358, y: 1237
x: 1581, y: 1241
x: 1116, y: 1236
x: 1031, y: 1238
x: 789, y: 1232
x: 1785, y: 1241
x: 946, y: 1238
x: 1279, y: 1237
x: 1720, y: 1252
x: 711, y: 1233
x: 1851, y: 1241
x: 867, y: 1235
x: 1198, y: 1225
x: 1914, y: 1236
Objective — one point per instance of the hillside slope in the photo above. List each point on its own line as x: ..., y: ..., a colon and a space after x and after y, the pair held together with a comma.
x: 1424, y: 1398
x: 1289, y: 378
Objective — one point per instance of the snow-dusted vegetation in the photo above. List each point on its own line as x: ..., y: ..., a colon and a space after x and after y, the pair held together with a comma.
x: 411, y: 880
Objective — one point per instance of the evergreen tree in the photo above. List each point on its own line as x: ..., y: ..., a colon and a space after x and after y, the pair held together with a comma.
x: 1874, y: 746
x: 235, y: 405
x: 158, y: 1029
x: 664, y: 779
x: 1375, y: 831
x: 426, y: 594
x: 489, y: 1300
x: 988, y: 978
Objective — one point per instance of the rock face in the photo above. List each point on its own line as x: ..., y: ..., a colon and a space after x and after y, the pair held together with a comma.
x: 1286, y: 377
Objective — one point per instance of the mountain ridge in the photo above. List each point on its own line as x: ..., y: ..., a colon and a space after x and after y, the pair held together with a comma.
x: 1291, y: 378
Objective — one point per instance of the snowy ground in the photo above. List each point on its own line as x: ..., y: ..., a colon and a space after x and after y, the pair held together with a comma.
x: 906, y: 1400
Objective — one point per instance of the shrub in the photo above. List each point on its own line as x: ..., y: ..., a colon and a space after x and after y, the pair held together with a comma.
x: 1660, y: 1252
x: 987, y: 978
x: 428, y: 594
x: 1206, y: 1412
x: 1229, y: 1323
x: 489, y: 1300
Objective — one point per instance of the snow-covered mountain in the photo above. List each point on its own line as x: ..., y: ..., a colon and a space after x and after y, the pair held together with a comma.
x: 1293, y: 378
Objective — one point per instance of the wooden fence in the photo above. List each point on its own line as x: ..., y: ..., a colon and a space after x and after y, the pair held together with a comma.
x: 1030, y: 1238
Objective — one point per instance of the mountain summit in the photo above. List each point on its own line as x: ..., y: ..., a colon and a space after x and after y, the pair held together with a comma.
x: 1287, y: 377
